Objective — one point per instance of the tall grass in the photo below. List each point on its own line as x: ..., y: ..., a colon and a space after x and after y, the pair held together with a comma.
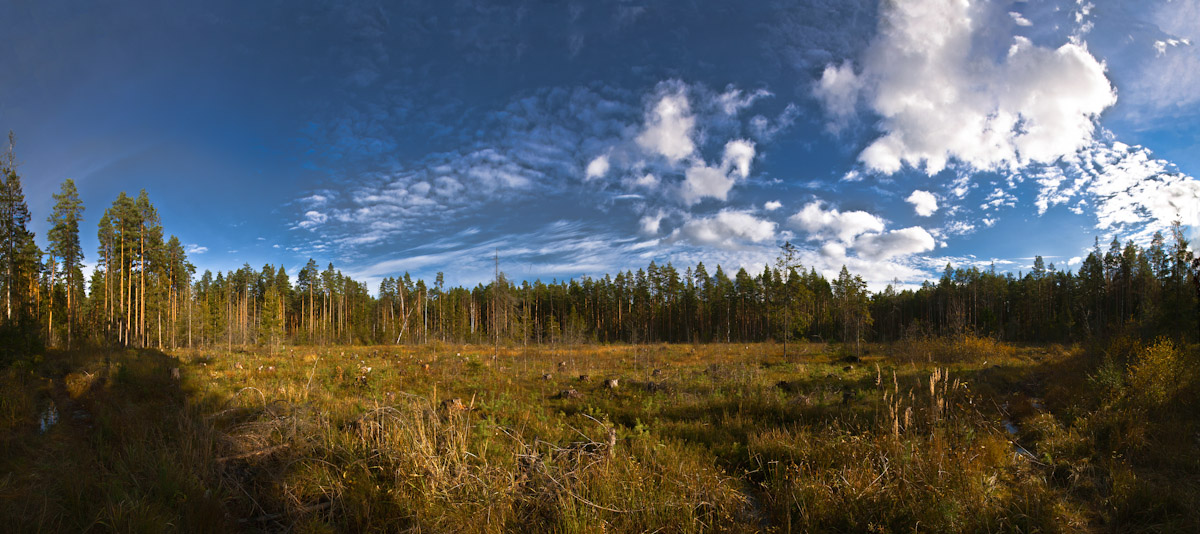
x: 713, y: 438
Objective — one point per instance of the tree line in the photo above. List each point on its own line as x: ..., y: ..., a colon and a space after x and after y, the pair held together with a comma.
x: 143, y: 292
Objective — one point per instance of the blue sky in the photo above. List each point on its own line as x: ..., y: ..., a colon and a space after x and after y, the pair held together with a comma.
x: 582, y: 138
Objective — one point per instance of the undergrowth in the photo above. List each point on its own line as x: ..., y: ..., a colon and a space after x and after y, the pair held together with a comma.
x: 935, y: 435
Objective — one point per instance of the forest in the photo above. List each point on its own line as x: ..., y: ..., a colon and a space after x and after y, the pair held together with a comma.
x: 143, y: 292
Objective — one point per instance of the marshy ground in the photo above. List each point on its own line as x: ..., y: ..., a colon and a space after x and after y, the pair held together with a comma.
x: 931, y: 436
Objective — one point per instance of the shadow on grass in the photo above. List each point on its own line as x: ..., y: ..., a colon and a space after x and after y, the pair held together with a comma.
x: 126, y: 454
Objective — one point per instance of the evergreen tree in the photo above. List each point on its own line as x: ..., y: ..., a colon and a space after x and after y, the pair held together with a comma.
x: 850, y: 294
x: 64, y: 245
x: 20, y: 263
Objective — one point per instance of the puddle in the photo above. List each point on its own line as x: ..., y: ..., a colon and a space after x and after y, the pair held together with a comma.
x: 1010, y: 427
x: 49, y: 418
x: 1013, y: 430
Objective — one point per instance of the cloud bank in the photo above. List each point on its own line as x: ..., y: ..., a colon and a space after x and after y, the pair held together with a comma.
x: 942, y: 96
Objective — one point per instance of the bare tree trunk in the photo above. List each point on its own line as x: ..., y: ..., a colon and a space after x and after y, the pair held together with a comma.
x: 50, y: 323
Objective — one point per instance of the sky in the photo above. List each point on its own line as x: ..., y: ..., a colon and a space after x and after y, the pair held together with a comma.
x: 583, y: 138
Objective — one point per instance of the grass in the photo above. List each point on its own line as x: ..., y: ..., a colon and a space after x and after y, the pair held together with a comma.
x: 930, y: 435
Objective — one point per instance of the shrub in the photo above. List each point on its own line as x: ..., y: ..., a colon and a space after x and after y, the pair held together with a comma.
x: 1157, y: 375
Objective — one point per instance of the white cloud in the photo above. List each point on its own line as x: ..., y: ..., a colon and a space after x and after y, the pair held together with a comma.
x: 734, y: 100
x: 838, y: 90
x: 702, y: 181
x: 312, y: 219
x: 196, y: 249
x: 669, y: 124
x: 762, y: 128
x: 1130, y: 186
x: 923, y: 202
x: 597, y: 168
x: 878, y: 273
x: 943, y: 95
x: 651, y: 224
x: 667, y: 153
x: 727, y: 229
x: 448, y: 187
x: 315, y: 199
x: 738, y: 154
x: 845, y: 226
x: 956, y: 228
x: 1019, y: 20
x: 998, y: 198
x: 881, y: 246
x: 648, y: 181
x: 772, y: 205
x: 1074, y: 261
x: 833, y: 250
x: 1166, y: 85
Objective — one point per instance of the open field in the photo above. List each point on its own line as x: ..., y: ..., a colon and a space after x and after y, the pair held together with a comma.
x: 930, y: 436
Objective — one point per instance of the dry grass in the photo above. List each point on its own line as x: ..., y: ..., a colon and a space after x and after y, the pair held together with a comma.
x: 693, y: 439
x: 969, y: 349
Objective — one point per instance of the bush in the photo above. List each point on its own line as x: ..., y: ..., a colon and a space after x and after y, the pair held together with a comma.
x: 1158, y: 375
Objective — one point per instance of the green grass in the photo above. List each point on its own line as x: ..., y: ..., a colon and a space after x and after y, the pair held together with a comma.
x: 708, y: 438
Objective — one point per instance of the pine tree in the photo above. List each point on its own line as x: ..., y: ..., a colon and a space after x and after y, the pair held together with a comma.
x: 270, y: 327
x: 64, y: 245
x: 20, y: 261
x: 850, y: 294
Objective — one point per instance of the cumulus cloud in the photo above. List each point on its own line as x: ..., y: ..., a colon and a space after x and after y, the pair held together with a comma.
x: 690, y: 144
x: 923, y: 202
x: 881, y: 246
x: 772, y: 205
x: 650, y: 224
x: 824, y: 224
x: 597, y: 168
x: 728, y: 229
x: 942, y: 95
x: 669, y: 124
x: 196, y: 249
x: 738, y: 154
x: 648, y: 181
x: 703, y: 181
x: 838, y: 90
x: 860, y: 241
x: 878, y: 273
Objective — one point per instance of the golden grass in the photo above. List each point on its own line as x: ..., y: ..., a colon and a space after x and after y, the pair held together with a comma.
x: 695, y: 438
